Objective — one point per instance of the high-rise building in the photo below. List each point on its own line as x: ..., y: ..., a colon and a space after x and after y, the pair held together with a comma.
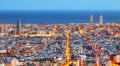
x: 91, y: 19
x: 18, y: 26
x: 101, y: 20
x: 0, y: 29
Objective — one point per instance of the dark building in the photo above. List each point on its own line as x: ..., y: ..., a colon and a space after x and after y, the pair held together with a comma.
x: 18, y: 27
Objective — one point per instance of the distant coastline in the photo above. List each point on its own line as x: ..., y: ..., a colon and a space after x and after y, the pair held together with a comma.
x: 64, y: 17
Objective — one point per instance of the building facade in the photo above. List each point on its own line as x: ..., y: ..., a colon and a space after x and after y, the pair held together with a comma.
x: 18, y: 27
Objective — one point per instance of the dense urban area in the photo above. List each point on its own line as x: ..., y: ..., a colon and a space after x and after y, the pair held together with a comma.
x: 60, y: 44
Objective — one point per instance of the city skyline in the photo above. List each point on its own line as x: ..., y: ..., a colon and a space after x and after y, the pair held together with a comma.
x: 59, y: 33
x: 58, y: 5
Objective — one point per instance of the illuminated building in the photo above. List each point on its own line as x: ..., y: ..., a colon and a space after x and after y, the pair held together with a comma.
x: 101, y: 20
x: 12, y: 62
x: 91, y: 19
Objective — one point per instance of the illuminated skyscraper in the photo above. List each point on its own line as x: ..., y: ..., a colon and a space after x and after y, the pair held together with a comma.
x: 18, y: 26
x: 91, y: 19
x: 101, y: 20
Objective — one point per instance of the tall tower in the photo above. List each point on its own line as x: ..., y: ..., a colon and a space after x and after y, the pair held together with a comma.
x: 101, y: 20
x: 91, y: 19
x: 18, y: 26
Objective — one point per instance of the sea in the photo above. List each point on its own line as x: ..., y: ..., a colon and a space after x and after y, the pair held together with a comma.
x: 57, y: 17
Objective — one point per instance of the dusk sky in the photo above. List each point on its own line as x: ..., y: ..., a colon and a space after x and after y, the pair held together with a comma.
x: 13, y: 5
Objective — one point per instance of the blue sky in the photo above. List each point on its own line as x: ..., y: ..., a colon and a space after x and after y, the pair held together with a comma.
x: 59, y: 5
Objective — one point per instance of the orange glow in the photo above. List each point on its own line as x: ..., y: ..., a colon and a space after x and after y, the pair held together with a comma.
x: 94, y: 46
x: 92, y: 31
x: 67, y: 62
x: 97, y: 24
x: 38, y: 34
x: 113, y: 64
x: 118, y: 35
x: 81, y: 31
x: 97, y: 61
x: 81, y: 62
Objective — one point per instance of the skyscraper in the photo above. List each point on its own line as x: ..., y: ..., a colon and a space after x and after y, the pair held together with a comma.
x: 18, y: 26
x: 91, y: 19
x: 101, y: 19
